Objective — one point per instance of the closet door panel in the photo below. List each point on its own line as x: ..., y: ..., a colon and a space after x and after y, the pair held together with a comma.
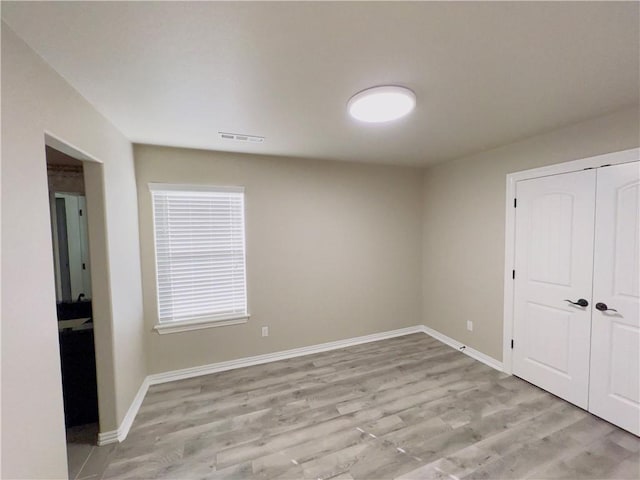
x: 614, y: 392
x: 554, y: 265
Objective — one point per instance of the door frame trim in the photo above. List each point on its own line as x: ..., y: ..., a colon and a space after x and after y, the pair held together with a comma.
x: 614, y: 158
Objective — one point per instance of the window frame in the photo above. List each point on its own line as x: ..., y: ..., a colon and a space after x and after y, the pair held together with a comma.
x: 198, y: 323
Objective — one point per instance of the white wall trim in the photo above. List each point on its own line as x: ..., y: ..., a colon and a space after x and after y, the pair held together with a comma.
x: 472, y: 352
x: 615, y: 158
x: 275, y: 356
x: 105, y: 438
x: 113, y: 436
x: 186, y: 326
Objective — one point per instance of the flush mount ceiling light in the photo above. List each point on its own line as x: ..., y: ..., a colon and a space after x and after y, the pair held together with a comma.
x: 381, y: 104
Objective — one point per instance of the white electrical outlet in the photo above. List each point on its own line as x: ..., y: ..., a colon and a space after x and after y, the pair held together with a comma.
x: 470, y: 325
x: 265, y: 331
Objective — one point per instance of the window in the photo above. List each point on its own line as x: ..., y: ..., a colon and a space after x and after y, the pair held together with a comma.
x: 200, y: 256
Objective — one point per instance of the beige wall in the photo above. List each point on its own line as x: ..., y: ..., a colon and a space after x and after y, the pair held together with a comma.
x: 333, y: 251
x: 464, y: 217
x: 36, y: 100
x: 65, y: 182
x: 61, y: 180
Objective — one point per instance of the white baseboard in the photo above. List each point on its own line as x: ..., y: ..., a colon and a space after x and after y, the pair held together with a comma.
x: 120, y: 434
x: 473, y: 353
x: 113, y: 436
x: 105, y: 438
x: 275, y: 356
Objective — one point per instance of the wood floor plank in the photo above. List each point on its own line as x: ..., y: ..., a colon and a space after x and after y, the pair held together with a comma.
x: 408, y: 407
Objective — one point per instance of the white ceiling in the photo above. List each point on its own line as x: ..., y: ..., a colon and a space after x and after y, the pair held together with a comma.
x: 485, y: 74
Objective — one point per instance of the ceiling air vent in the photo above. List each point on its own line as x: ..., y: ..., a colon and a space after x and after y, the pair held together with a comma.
x: 238, y: 137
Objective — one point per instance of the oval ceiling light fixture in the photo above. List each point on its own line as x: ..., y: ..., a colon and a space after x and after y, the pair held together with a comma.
x: 381, y: 104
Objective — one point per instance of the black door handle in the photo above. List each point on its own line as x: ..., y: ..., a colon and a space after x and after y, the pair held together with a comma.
x: 603, y: 308
x: 581, y: 302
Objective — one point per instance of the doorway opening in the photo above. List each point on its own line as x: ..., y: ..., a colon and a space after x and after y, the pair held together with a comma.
x: 70, y: 239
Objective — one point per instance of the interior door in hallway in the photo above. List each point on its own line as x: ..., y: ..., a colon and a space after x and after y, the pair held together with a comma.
x: 615, y: 340
x: 553, y: 283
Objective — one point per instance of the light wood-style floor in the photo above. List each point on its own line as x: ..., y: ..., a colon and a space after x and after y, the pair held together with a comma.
x: 409, y: 407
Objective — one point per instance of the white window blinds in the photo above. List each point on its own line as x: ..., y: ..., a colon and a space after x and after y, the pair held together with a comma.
x: 200, y: 252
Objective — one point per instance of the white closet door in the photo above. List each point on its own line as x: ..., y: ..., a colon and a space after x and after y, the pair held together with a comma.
x: 554, y: 265
x: 614, y: 392
x: 84, y: 248
x: 74, y: 243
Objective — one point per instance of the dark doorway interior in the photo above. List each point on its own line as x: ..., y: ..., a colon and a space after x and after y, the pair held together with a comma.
x: 73, y: 288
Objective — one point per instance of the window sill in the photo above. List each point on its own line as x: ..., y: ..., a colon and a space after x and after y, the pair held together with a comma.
x: 164, y: 328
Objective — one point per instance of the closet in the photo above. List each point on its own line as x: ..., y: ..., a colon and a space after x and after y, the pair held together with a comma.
x: 576, y: 289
